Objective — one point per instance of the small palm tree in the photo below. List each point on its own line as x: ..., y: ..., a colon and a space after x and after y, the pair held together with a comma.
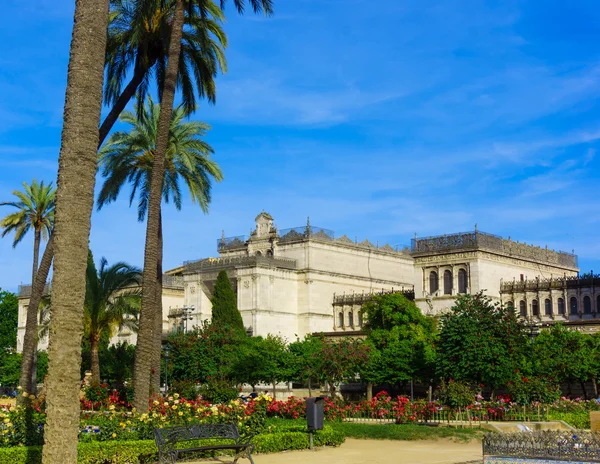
x: 35, y: 211
x: 112, y: 300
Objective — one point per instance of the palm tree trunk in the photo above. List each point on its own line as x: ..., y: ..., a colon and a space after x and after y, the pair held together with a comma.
x: 74, y: 202
x: 31, y: 336
x: 158, y: 317
x: 36, y: 253
x: 95, y: 359
x: 121, y: 103
x: 143, y: 359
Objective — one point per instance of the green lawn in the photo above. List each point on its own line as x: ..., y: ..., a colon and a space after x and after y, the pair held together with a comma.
x: 392, y: 431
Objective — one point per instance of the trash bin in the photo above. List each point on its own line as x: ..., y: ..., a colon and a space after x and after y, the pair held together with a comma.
x: 315, y: 413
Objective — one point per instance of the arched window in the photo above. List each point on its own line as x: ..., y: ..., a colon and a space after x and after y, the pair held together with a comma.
x: 573, y: 305
x: 561, y: 306
x: 360, y: 319
x: 462, y: 281
x: 258, y: 253
x: 269, y: 252
x: 351, y: 319
x: 548, y: 307
x: 341, y: 320
x: 587, y: 305
x: 535, y: 308
x: 522, y: 309
x: 433, y: 282
x: 447, y: 283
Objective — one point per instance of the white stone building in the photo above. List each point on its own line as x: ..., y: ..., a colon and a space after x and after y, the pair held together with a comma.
x: 285, y: 280
x: 304, y: 280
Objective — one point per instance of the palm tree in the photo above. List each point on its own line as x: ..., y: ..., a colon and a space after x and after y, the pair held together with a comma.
x: 128, y: 156
x: 35, y: 211
x: 138, y: 40
x: 144, y: 352
x: 77, y: 165
x: 111, y: 302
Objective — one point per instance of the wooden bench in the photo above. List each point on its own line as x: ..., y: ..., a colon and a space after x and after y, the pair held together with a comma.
x: 168, y: 441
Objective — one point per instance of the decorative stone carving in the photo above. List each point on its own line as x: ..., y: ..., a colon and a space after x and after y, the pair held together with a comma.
x: 387, y: 247
x: 246, y: 284
x: 365, y: 243
x: 344, y: 239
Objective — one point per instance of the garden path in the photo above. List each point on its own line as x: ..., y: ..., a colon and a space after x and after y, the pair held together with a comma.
x: 355, y: 451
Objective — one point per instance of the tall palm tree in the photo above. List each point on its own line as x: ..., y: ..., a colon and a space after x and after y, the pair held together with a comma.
x: 77, y: 165
x: 144, y: 352
x: 128, y: 156
x: 35, y: 211
x: 138, y: 40
x: 111, y: 302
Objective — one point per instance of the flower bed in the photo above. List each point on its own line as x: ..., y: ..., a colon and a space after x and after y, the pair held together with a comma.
x: 20, y: 426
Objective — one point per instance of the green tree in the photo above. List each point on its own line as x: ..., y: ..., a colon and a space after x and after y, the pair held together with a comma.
x: 152, y: 248
x: 342, y: 360
x: 402, y: 341
x: 224, y: 304
x: 9, y: 315
x: 264, y: 360
x: 480, y: 342
x: 207, y: 353
x: 307, y: 360
x: 564, y: 355
x: 111, y: 303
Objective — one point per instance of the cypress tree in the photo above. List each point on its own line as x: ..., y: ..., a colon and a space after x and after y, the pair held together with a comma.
x: 224, y: 304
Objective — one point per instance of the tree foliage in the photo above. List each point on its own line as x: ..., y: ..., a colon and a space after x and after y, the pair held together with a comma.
x: 480, y: 342
x: 402, y: 341
x: 9, y: 315
x: 224, y: 304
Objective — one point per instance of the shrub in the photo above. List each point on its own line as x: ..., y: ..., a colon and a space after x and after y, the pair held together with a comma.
x: 218, y: 391
x: 117, y: 452
x: 456, y: 394
x: 527, y: 390
x: 145, y: 451
x: 185, y: 388
x: 579, y: 420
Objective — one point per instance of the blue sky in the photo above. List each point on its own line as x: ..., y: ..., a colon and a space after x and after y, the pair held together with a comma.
x: 376, y: 119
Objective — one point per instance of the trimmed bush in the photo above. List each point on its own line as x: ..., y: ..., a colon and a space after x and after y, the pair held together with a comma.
x: 117, y: 452
x: 145, y: 451
x: 579, y: 420
x: 284, y: 441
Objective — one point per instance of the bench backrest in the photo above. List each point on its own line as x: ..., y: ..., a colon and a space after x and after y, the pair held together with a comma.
x: 171, y: 435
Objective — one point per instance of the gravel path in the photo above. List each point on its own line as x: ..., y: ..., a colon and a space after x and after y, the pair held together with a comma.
x: 378, y: 452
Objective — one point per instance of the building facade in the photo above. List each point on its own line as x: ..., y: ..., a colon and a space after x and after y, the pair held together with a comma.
x: 473, y: 262
x: 285, y: 280
x: 172, y: 300
x: 305, y: 280
x: 572, y: 300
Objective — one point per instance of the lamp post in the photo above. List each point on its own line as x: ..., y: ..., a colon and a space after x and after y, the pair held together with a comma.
x: 166, y: 349
x: 187, y: 315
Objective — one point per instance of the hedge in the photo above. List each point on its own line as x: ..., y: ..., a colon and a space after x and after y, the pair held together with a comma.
x: 145, y: 451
